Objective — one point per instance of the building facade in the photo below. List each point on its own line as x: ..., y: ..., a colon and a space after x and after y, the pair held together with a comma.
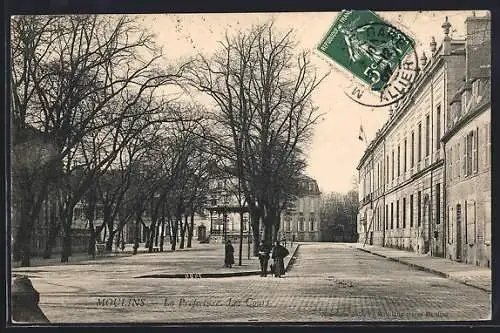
x: 406, y: 195
x: 467, y: 143
x: 302, y: 223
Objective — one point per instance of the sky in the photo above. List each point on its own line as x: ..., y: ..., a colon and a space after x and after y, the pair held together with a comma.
x: 335, y: 149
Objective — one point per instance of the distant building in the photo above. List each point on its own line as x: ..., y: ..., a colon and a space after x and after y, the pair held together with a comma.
x: 424, y: 181
x: 302, y: 222
x: 31, y: 151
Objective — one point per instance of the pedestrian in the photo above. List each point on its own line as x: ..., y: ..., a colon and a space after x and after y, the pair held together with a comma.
x: 263, y: 258
x: 278, y: 253
x: 229, y: 255
x: 283, y: 240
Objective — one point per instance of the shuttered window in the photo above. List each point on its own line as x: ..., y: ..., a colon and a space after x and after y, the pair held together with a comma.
x: 475, y: 150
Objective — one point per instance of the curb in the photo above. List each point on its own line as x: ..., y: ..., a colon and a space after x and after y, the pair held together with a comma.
x: 426, y: 269
x: 292, y: 258
x: 213, y: 275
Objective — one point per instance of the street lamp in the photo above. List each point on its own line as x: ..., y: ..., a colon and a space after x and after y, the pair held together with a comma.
x: 224, y: 214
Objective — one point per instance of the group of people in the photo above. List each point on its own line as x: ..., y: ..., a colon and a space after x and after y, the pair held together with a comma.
x: 278, y: 253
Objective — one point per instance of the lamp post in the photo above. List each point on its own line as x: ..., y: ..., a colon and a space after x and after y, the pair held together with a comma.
x: 224, y: 215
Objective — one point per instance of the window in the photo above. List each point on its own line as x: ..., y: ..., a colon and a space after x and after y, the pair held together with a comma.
x: 399, y: 153
x: 411, y: 211
x: 301, y: 223
x: 475, y: 143
x: 438, y: 127
x: 438, y: 203
x: 419, y: 143
x: 450, y: 224
x: 311, y: 221
x: 397, y: 214
x: 386, y: 216
x: 419, y: 208
x: 427, y: 134
x: 387, y: 169
x: 404, y: 213
x: 450, y: 168
x: 458, y: 159
x: 392, y: 166
x: 468, y: 153
x: 392, y: 215
x: 404, y: 157
x: 412, y: 161
x: 470, y: 213
x: 464, y: 156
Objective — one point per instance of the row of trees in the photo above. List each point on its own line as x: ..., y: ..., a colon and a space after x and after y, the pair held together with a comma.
x: 339, y: 216
x: 94, y: 87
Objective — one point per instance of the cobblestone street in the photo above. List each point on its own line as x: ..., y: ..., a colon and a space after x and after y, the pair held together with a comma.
x: 327, y: 282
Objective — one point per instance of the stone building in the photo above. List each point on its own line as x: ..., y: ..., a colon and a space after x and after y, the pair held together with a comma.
x: 467, y: 143
x: 302, y: 223
x: 406, y: 196
x: 32, y: 157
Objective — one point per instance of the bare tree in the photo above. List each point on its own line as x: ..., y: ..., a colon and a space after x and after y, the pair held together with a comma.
x: 77, y: 77
x: 265, y: 114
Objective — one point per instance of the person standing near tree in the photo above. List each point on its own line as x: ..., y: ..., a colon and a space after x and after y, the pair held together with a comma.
x: 263, y: 258
x: 278, y: 253
x: 229, y: 255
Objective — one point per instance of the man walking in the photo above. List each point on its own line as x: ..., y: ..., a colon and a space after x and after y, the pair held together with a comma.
x: 263, y: 258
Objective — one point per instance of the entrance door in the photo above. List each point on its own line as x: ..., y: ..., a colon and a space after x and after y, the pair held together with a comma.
x: 459, y: 233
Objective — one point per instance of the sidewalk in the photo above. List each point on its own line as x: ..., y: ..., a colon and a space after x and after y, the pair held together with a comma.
x: 477, y: 277
x: 202, y: 260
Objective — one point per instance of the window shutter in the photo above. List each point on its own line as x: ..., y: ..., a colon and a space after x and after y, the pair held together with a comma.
x: 474, y: 150
x: 464, y: 155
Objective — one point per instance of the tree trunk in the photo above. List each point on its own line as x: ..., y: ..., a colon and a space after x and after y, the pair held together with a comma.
x: 151, y: 237
x: 173, y: 234
x: 241, y: 238
x: 66, y: 241
x: 267, y: 221
x: 183, y: 231
x: 137, y: 235
x: 92, y: 240
x: 157, y: 232
x: 52, y: 237
x: 255, y: 218
x: 109, y: 241
x: 162, y: 236
x: 190, y: 231
x: 23, y: 237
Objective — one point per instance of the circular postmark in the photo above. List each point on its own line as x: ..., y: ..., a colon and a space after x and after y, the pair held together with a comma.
x: 386, y: 61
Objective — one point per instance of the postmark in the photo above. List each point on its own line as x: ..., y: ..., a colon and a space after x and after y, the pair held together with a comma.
x: 381, y: 58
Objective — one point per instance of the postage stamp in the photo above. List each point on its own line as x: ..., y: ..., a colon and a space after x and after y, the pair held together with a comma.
x: 379, y: 55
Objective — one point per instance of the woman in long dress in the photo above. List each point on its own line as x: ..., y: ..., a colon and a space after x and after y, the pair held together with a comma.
x: 229, y: 255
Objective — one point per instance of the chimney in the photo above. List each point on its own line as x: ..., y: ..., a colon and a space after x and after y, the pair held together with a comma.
x: 477, y: 45
x: 433, y: 45
x: 447, y: 39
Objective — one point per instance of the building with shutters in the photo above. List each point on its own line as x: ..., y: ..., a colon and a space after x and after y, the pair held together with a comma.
x: 302, y: 222
x: 467, y: 143
x: 407, y: 198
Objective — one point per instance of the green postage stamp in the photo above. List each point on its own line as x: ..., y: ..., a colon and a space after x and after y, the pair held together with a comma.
x: 371, y: 49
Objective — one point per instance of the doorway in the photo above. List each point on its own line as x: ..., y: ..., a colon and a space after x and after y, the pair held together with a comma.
x: 459, y: 233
